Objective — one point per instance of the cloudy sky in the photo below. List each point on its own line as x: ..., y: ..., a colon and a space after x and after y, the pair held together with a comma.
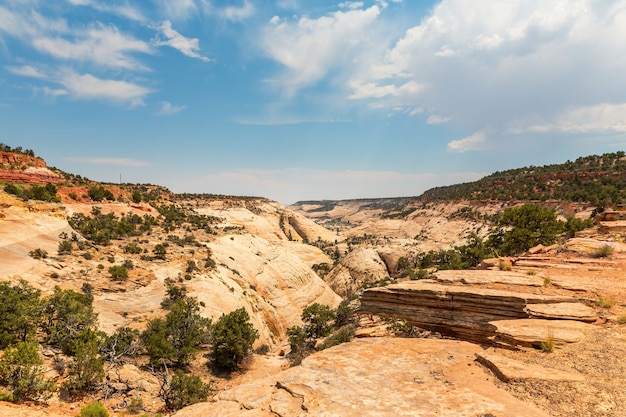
x: 296, y: 99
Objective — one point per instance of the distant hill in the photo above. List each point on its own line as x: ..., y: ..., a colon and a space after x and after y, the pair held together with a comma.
x: 596, y: 179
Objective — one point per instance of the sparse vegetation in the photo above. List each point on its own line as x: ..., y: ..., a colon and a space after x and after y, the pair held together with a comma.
x: 184, y: 390
x: 232, y: 337
x: 604, y: 251
x: 605, y: 302
x: 547, y: 345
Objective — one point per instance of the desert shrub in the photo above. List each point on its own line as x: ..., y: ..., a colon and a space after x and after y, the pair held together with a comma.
x: 317, y: 320
x: 605, y: 302
x: 547, y: 345
x: 342, y: 335
x: 86, y: 370
x: 135, y: 406
x: 66, y: 315
x: 604, y: 251
x: 38, y: 253
x: 20, y: 313
x: 177, y: 337
x: 132, y: 248
x: 95, y: 409
x: 233, y: 336
x: 65, y: 247
x: 159, y: 251
x: 185, y: 390
x: 124, y: 342
x: 99, y: 193
x: 118, y: 273
x: 521, y: 228
x: 344, y: 314
x: 21, y: 369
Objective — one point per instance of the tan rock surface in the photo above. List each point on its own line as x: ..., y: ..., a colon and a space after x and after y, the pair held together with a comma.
x: 563, y: 311
x: 507, y: 369
x: 374, y: 377
x: 358, y: 267
x: 531, y: 332
x: 482, y: 277
x: 455, y: 310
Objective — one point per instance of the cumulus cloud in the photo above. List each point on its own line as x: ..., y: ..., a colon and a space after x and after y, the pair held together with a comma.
x: 473, y: 142
x: 600, y: 118
x: 504, y: 65
x: 187, y: 46
x: 101, y: 45
x: 311, y: 48
x: 89, y: 87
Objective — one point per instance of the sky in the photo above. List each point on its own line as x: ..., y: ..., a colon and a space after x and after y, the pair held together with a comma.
x: 306, y: 100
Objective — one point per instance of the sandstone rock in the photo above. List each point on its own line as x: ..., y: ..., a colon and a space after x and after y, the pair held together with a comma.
x: 453, y: 310
x: 531, y: 332
x: 507, y: 369
x: 360, y: 266
x: 374, y: 377
x: 564, y: 311
x: 481, y: 277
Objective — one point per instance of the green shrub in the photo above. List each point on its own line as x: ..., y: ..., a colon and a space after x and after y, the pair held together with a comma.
x: 118, y: 273
x: 343, y: 335
x: 603, y: 251
x: 65, y: 247
x: 185, y: 390
x: 95, y: 409
x: 38, y: 253
x: 233, y: 336
x: 21, y: 369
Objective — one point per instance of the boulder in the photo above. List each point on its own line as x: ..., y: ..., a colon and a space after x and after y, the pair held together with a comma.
x: 360, y: 266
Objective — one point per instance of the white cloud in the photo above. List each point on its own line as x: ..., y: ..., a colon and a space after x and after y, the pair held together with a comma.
x: 435, y: 119
x: 310, y: 48
x: 168, y: 108
x: 101, y: 45
x: 124, y: 9
x: 238, y: 14
x: 27, y: 71
x: 128, y: 162
x: 604, y: 117
x: 89, y: 87
x: 351, y: 5
x: 473, y: 142
x: 178, y: 9
x: 503, y: 65
x: 187, y: 46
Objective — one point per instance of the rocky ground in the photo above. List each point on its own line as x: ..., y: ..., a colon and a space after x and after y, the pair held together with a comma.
x: 263, y: 266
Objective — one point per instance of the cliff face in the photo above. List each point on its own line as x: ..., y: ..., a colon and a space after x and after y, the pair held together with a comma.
x: 17, y: 167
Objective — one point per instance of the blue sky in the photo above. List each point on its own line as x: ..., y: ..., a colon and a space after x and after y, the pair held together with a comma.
x: 295, y: 99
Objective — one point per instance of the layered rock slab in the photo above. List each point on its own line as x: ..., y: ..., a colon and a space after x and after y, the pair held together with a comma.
x: 532, y: 332
x: 507, y: 369
x: 374, y: 377
x: 453, y: 310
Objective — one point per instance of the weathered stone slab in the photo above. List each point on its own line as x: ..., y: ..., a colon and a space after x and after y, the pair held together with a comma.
x: 481, y: 277
x: 453, y: 310
x: 374, y: 377
x: 531, y: 332
x: 507, y: 369
x: 563, y: 311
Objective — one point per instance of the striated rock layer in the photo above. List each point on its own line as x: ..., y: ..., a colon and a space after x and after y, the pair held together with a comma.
x: 453, y: 310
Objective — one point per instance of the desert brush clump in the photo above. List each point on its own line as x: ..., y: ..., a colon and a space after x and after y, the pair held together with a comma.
x: 547, y: 345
